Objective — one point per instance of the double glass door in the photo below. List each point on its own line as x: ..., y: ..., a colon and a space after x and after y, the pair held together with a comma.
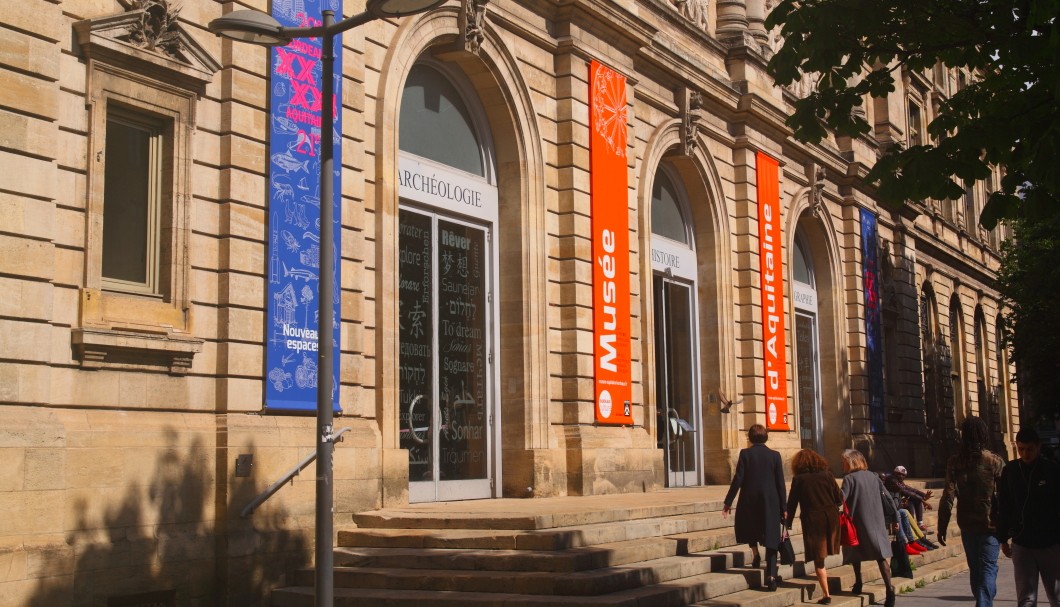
x: 445, y: 356
x: 676, y: 383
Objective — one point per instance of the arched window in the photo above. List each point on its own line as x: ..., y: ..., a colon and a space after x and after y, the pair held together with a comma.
x: 801, y: 267
x: 436, y: 124
x: 667, y: 218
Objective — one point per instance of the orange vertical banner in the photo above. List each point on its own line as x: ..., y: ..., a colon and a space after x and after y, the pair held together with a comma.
x: 770, y: 265
x: 609, y: 201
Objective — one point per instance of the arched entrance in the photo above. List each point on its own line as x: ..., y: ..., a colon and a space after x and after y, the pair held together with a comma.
x: 807, y: 348
x: 938, y: 388
x: 446, y: 276
x: 821, y: 402
x: 957, y: 356
x: 677, y: 387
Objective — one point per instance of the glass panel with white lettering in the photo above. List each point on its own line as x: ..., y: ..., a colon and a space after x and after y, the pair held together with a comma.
x: 445, y: 355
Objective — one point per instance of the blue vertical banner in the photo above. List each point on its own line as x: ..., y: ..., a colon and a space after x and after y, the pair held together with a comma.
x: 873, y: 319
x: 292, y: 324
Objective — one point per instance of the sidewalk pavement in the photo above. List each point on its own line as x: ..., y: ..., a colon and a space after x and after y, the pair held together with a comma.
x: 955, y: 591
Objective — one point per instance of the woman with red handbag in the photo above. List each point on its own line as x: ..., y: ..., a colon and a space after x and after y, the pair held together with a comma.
x: 873, y: 518
x: 814, y: 490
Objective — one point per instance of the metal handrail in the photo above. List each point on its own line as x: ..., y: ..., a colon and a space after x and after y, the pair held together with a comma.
x: 293, y: 472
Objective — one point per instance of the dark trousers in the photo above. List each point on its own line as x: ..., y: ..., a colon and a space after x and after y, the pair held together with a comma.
x: 916, y: 508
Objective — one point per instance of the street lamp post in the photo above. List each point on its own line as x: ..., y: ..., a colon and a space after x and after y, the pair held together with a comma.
x: 259, y: 28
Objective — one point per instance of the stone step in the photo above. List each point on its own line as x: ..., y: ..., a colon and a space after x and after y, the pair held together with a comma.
x: 673, y: 553
x: 559, y: 512
x: 558, y: 538
x: 676, y: 593
x: 579, y: 583
x: 575, y: 559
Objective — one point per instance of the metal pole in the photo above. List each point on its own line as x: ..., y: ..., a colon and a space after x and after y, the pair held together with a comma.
x: 325, y: 556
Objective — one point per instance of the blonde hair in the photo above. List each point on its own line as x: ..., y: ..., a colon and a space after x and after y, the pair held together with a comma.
x: 853, y: 460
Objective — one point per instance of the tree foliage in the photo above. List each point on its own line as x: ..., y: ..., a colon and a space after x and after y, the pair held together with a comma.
x: 1007, y: 115
x: 1029, y: 281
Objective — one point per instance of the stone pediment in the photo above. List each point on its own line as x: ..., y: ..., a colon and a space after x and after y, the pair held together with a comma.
x: 148, y: 40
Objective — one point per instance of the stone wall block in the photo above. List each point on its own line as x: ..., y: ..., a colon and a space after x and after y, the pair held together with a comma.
x: 99, y: 467
x: 23, y: 340
x: 31, y: 512
x: 45, y: 469
x: 26, y: 175
x: 43, y: 19
x: 28, y: 134
x: 29, y: 95
x: 12, y: 473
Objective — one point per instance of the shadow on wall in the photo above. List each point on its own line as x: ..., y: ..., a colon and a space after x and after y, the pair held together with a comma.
x: 174, y: 539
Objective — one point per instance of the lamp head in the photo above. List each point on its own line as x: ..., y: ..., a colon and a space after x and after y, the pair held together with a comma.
x: 252, y: 26
x: 400, y: 8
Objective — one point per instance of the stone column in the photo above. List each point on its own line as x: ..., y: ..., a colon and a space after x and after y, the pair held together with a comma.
x: 732, y: 18
x: 756, y: 21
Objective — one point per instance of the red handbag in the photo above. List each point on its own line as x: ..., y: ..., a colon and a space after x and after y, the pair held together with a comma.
x: 848, y: 534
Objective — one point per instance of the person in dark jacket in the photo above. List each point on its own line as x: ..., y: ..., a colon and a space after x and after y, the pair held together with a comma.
x: 815, y: 491
x: 759, y: 480
x: 971, y: 480
x: 1029, y: 515
x: 873, y: 516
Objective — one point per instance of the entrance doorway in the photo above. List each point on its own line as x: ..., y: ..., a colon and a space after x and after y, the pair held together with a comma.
x: 807, y: 348
x: 675, y: 383
x: 445, y: 356
x: 811, y: 434
x: 678, y: 408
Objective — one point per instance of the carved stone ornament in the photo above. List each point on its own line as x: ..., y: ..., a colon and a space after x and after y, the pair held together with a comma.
x: 693, y: 10
x: 148, y: 39
x: 817, y: 175
x: 156, y: 27
x: 689, y: 102
x: 472, y: 24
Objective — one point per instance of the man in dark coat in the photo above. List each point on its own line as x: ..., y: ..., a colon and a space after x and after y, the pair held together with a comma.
x: 759, y: 480
x: 1029, y: 514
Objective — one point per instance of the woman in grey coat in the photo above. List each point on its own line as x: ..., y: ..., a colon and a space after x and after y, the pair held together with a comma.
x: 873, y: 518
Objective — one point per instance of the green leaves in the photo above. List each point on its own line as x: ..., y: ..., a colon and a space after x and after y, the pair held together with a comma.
x: 1029, y: 281
x: 1008, y: 115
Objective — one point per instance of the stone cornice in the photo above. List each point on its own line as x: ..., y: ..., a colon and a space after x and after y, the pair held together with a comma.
x: 106, y: 39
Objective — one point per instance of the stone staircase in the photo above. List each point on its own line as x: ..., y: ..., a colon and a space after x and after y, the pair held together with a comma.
x: 671, y: 548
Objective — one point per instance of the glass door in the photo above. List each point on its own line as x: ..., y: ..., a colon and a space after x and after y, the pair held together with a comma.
x: 677, y: 400
x: 445, y: 357
x: 810, y: 430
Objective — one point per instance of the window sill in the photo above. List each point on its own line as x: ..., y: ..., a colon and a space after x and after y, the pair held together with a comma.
x: 106, y: 348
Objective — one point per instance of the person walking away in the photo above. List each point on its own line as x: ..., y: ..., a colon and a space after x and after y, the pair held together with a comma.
x: 814, y: 490
x: 971, y: 480
x: 873, y: 517
x: 759, y: 480
x: 912, y: 499
x: 1029, y: 514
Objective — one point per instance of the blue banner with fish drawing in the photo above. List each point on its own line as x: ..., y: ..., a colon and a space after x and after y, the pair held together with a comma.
x: 873, y: 320
x: 294, y: 211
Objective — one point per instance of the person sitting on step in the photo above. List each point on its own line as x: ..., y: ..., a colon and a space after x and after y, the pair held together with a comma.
x: 912, y: 499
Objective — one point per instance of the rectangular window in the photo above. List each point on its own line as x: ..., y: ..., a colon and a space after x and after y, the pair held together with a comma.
x: 971, y: 215
x: 916, y: 129
x: 132, y: 200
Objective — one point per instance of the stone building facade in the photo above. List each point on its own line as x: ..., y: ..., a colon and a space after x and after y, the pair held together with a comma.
x: 126, y: 403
